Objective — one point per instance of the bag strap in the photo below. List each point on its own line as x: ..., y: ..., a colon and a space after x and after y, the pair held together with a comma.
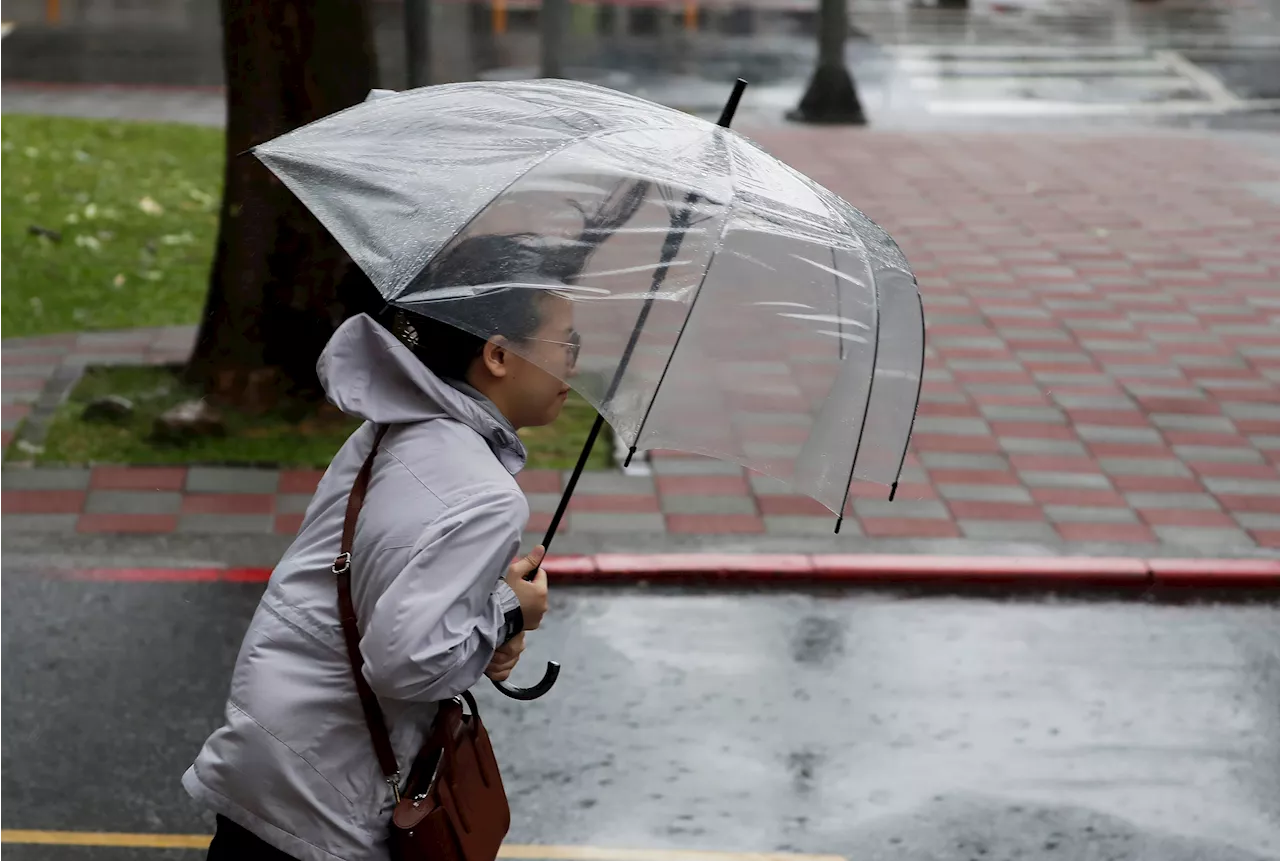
x: 350, y: 630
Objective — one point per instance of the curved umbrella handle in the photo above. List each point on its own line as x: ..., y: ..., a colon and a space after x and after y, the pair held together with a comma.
x: 538, y: 690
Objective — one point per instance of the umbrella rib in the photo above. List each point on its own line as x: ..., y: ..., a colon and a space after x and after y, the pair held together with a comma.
x: 866, y: 409
x: 906, y: 444
x: 693, y: 303
x: 839, y: 306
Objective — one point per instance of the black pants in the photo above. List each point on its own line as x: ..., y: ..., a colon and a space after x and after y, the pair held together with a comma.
x: 231, y: 842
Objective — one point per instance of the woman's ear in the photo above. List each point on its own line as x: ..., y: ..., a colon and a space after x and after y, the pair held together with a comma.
x: 495, y: 356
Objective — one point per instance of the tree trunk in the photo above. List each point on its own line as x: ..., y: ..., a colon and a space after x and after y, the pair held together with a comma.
x: 280, y: 284
x: 831, y: 96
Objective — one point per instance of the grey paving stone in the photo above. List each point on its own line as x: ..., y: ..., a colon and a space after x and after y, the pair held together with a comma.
x: 40, y: 522
x: 794, y: 525
x: 952, y: 426
x: 1219, y: 453
x: 1179, y: 501
x: 923, y: 509
x: 1208, y: 424
x: 962, y: 460
x: 1204, y: 537
x: 1110, y: 433
x: 132, y: 502
x: 763, y: 485
x: 609, y: 522
x: 292, y: 503
x: 226, y: 524
x: 1008, y: 530
x: 1145, y: 466
x: 693, y: 466
x: 611, y: 483
x: 44, y: 478
x: 202, y: 479
x: 1031, y: 445
x: 542, y: 502
x: 1081, y: 480
x: 1040, y: 415
x: 698, y: 504
x: 1258, y: 520
x: 1090, y: 514
x: 984, y: 492
x: 1243, y: 486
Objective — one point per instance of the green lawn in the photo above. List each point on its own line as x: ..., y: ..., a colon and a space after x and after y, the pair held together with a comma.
x: 111, y: 225
x: 107, y: 225
x: 271, y: 440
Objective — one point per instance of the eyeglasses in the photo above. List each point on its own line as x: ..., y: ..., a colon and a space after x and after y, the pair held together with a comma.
x: 573, y: 347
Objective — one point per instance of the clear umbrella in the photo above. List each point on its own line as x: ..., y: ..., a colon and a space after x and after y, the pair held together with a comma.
x: 721, y: 303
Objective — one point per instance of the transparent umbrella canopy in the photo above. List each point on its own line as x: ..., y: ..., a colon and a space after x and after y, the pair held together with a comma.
x: 705, y: 297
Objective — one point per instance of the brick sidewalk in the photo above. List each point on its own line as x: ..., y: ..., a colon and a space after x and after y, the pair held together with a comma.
x: 1104, y: 363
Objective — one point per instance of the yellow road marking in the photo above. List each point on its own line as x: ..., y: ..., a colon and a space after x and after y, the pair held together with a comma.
x: 515, y: 852
x: 99, y: 838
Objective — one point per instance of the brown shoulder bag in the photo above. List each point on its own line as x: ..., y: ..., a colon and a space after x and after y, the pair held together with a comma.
x: 453, y: 806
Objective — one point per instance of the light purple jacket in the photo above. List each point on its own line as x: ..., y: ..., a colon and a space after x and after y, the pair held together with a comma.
x: 293, y: 762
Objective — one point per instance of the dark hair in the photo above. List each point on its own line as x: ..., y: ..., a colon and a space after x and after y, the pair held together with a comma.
x: 498, y: 258
x: 448, y: 350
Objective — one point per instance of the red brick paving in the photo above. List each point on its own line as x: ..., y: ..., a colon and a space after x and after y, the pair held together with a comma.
x: 996, y: 227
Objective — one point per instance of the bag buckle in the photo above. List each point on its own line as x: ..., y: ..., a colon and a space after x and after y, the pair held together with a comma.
x: 342, y: 564
x: 394, y: 782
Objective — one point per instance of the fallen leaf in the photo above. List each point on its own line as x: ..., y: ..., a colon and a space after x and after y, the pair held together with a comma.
x: 118, y: 281
x: 90, y: 242
x: 150, y: 207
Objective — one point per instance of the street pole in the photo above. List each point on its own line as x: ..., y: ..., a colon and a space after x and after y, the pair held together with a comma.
x: 831, y: 96
x: 417, y: 42
x: 551, y: 21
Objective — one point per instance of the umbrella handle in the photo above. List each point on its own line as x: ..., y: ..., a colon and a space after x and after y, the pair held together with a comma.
x: 538, y: 690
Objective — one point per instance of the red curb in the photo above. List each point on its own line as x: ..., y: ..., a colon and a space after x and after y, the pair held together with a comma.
x: 246, y: 575
x: 147, y: 575
x: 1216, y: 573
x: 834, y: 569
x: 702, y: 566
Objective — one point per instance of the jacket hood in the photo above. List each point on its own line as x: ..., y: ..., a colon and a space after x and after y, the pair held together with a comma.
x: 368, y: 373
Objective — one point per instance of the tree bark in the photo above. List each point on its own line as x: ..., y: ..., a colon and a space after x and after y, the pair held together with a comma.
x: 280, y: 284
x: 831, y: 96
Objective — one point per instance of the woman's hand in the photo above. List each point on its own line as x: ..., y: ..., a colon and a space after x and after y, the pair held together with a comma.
x: 529, y: 582
x: 505, y: 659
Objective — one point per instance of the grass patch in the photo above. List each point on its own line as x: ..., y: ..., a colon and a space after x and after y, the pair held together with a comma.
x: 286, y: 438
x: 107, y: 224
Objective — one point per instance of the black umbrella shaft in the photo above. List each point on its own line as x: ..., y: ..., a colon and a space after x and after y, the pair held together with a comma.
x: 596, y: 427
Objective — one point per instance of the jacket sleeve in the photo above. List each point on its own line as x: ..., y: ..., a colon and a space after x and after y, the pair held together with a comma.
x: 435, y: 629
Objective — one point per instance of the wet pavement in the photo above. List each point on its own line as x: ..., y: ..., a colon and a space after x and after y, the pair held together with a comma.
x: 872, y: 727
x: 1049, y: 62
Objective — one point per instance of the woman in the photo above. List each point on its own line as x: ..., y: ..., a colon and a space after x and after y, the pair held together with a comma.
x: 292, y: 772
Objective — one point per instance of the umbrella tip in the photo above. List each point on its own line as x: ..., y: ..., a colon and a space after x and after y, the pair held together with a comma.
x: 839, y: 523
x: 630, y: 454
x: 893, y: 491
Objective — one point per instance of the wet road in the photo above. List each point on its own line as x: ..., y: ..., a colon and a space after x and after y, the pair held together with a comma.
x: 1200, y: 63
x: 871, y: 727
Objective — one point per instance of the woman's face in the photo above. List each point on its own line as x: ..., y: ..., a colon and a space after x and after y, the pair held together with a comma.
x: 535, y: 388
